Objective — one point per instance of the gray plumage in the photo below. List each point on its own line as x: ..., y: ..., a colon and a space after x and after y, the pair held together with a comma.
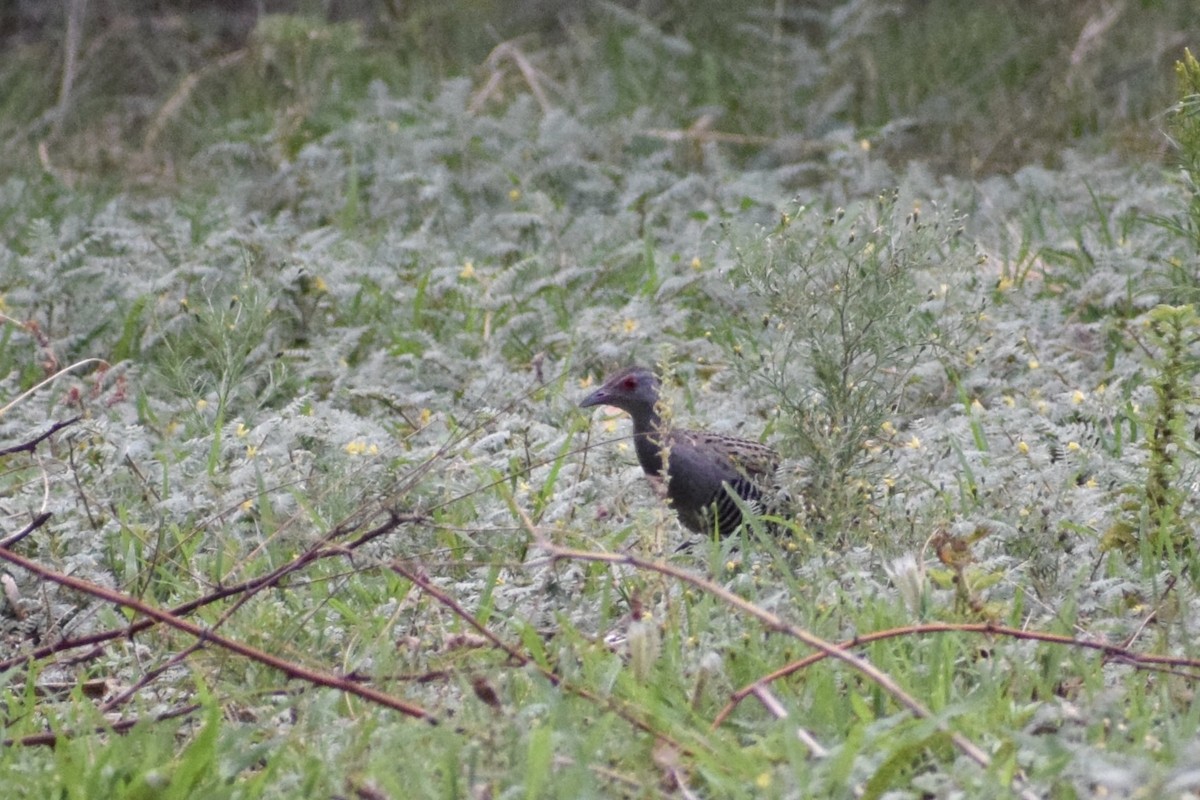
x: 699, y: 464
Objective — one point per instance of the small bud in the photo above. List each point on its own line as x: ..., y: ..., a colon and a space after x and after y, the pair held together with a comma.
x: 643, y: 640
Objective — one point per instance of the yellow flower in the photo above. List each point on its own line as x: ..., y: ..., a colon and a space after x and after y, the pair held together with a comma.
x: 247, y: 505
x: 251, y: 451
x: 242, y: 430
x: 467, y: 272
x: 319, y: 285
x: 514, y: 194
x: 201, y: 404
x: 1073, y: 447
x: 1033, y: 363
x: 356, y: 448
x: 763, y: 781
x: 888, y: 428
x: 1077, y: 397
x: 1023, y: 448
x: 914, y: 443
x: 426, y: 416
x: 696, y: 263
x: 630, y: 325
x: 1010, y: 401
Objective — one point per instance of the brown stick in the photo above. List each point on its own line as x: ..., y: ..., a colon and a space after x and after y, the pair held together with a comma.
x: 38, y: 521
x: 317, y: 677
x: 28, y: 447
x: 320, y: 550
x: 1110, y: 651
x: 524, y: 660
x: 121, y: 726
x: 774, y: 622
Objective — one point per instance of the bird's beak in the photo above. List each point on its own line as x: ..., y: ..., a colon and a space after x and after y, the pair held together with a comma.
x: 596, y: 398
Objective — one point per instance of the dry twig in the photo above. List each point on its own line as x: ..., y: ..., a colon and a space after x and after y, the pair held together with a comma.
x: 208, y: 637
x: 776, y: 623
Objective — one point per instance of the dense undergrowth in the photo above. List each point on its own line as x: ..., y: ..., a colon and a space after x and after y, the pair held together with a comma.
x: 317, y: 348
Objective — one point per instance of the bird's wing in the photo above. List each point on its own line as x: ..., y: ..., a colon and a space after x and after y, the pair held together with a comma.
x: 745, y: 458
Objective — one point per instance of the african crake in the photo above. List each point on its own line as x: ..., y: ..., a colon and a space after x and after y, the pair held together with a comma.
x: 699, y: 464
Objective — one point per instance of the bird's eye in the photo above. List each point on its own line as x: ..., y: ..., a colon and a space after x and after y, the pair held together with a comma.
x: 630, y: 382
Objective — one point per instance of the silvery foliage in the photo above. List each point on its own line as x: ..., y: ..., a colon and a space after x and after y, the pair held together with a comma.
x: 401, y: 316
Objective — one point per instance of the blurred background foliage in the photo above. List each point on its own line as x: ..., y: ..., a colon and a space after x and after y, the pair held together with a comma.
x: 110, y: 87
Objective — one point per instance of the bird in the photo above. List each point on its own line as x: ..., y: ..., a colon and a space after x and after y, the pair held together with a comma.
x: 702, y: 469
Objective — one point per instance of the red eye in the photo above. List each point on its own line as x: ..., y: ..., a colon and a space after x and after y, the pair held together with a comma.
x: 630, y: 382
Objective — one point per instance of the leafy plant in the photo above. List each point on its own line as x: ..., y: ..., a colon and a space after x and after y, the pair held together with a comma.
x: 1184, y: 127
x: 1154, y: 525
x: 849, y: 308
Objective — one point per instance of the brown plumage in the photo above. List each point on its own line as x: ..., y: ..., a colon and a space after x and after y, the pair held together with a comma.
x: 702, y: 467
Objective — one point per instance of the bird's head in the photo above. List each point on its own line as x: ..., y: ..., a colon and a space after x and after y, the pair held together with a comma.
x: 633, y: 389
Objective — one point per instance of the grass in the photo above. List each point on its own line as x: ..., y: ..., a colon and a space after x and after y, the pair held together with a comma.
x: 348, y: 296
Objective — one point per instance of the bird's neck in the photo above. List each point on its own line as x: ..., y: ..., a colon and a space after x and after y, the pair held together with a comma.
x: 648, y: 433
